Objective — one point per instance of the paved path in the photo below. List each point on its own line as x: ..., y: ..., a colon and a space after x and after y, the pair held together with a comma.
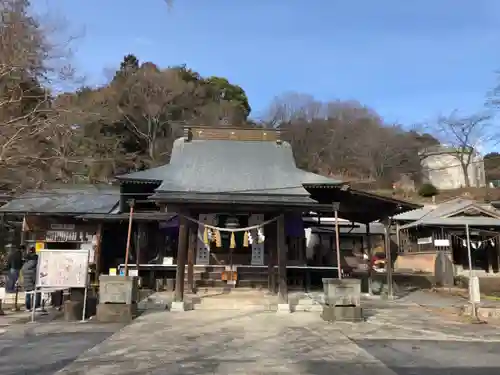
x: 395, y: 340
x: 44, y: 348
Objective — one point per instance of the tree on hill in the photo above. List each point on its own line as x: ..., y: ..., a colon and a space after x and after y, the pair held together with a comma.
x: 345, y: 139
x: 462, y: 137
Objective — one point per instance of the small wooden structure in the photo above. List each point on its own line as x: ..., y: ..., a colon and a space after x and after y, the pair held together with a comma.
x: 441, y: 228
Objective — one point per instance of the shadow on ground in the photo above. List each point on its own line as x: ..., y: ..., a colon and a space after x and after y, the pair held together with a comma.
x: 431, y: 357
x: 43, y: 349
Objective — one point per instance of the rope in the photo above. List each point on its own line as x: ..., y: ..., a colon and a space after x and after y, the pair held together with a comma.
x: 480, y: 242
x: 231, y: 230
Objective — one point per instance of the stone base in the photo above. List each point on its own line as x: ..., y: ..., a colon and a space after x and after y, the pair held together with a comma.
x: 342, y: 314
x: 284, y: 308
x: 73, y: 310
x: 180, y: 306
x: 116, y: 312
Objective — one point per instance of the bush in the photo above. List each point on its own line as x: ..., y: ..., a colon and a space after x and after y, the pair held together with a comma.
x: 427, y: 190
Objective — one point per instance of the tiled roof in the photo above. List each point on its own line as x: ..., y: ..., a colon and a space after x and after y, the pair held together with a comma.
x: 78, y: 200
x: 227, y: 166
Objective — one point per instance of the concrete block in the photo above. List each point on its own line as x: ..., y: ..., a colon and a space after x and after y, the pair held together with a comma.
x: 73, y: 310
x: 180, y: 306
x: 342, y: 314
x: 116, y: 312
x: 284, y: 308
x: 344, y: 292
x: 118, y: 289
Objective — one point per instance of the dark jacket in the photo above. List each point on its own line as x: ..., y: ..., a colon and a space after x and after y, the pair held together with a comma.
x: 15, y: 260
x: 29, y: 272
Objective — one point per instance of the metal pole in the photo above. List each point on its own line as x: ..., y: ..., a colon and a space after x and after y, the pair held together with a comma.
x: 398, y: 237
x: 337, y: 244
x: 127, y: 251
x: 388, y: 259
x: 85, y: 293
x: 471, y: 273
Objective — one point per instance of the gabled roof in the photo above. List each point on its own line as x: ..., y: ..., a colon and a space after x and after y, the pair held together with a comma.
x: 452, y: 212
x: 65, y: 201
x: 215, y: 167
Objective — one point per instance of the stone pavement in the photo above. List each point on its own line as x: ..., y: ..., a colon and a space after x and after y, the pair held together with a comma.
x: 44, y: 348
x: 396, y: 339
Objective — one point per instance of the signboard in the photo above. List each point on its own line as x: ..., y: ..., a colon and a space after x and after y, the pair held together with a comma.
x: 424, y: 240
x: 39, y: 246
x: 62, y: 269
x: 62, y: 227
x: 445, y: 242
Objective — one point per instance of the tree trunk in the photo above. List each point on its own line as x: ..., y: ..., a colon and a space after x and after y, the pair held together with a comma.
x: 465, y: 169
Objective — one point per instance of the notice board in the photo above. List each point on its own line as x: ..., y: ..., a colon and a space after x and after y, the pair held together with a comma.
x: 62, y: 269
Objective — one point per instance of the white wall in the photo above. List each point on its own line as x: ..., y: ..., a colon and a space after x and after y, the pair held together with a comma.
x: 444, y: 171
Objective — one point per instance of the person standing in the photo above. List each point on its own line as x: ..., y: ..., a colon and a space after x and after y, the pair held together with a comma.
x: 28, y: 273
x: 14, y: 264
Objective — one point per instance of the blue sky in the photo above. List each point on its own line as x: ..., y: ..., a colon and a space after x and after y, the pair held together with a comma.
x: 410, y: 61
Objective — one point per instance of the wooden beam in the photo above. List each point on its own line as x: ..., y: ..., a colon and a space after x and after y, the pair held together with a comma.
x: 129, y: 234
x: 190, y: 257
x: 282, y: 260
x: 181, y: 259
x: 270, y: 244
x: 97, y: 252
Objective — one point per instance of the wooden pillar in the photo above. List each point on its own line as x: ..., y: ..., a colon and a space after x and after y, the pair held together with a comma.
x: 181, y: 259
x: 282, y: 260
x: 270, y: 246
x: 190, y: 257
x: 98, y: 252
x: 139, y: 230
x: 271, y: 279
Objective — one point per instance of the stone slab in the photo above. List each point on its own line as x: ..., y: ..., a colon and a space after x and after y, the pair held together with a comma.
x: 284, y: 308
x: 227, y: 342
x: 116, y: 312
x: 342, y: 314
x: 180, y: 306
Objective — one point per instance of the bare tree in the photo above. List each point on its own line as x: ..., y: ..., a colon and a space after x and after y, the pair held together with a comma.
x: 28, y: 60
x: 462, y: 137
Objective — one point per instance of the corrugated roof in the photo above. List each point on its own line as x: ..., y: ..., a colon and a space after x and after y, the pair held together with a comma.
x: 414, y: 214
x: 226, y: 166
x: 78, y: 200
x: 442, y: 214
x: 473, y: 221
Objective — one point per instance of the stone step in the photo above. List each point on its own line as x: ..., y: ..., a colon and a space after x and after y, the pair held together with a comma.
x: 254, y: 284
x: 308, y: 302
x: 219, y: 304
x: 11, y: 297
x: 205, y: 276
x: 307, y: 308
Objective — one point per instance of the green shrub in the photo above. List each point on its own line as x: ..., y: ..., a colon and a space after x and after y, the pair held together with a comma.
x: 427, y: 190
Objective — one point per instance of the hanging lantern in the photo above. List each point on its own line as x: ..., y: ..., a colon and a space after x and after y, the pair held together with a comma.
x: 232, y: 244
